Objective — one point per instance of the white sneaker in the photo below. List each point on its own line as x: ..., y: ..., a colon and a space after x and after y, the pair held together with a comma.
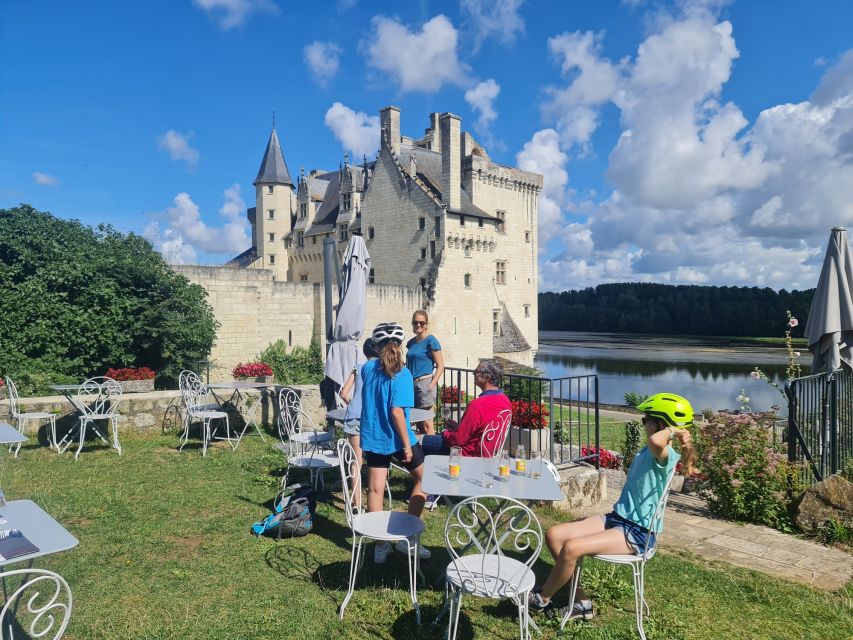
x: 424, y: 553
x: 381, y: 551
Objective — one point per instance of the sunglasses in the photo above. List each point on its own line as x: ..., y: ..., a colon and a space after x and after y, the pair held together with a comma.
x: 648, y: 421
x: 418, y: 323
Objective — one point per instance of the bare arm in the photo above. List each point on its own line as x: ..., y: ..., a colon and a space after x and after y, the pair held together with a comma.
x: 658, y: 441
x: 346, y: 390
x: 438, y: 359
x: 398, y: 417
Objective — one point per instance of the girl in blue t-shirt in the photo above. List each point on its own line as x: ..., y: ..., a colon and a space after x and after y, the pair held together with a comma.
x: 628, y: 529
x: 426, y: 364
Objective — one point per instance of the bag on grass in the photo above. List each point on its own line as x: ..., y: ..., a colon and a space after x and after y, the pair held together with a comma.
x: 294, y: 513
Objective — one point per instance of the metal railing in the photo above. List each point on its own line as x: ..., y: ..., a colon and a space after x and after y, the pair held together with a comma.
x: 820, y: 423
x: 557, y: 416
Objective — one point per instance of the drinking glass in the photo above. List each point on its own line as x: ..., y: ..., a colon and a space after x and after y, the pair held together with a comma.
x: 536, y: 466
x: 520, y: 459
x: 488, y: 472
x: 455, y: 463
x: 503, y: 467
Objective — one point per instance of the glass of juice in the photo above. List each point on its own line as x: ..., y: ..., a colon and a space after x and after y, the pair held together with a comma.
x: 503, y: 467
x: 454, y: 467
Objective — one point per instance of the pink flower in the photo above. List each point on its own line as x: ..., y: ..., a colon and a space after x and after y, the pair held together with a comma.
x: 793, y: 322
x: 755, y: 375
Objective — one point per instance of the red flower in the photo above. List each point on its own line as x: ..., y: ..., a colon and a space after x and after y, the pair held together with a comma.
x: 251, y: 370
x: 529, y: 415
x: 130, y: 373
x: 606, y: 458
x: 450, y: 395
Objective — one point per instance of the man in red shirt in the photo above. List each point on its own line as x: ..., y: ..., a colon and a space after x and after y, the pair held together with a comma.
x: 480, y: 413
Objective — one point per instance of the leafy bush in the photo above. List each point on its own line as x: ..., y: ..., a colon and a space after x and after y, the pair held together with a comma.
x: 606, y: 458
x: 252, y: 370
x: 77, y: 300
x: 632, y: 398
x: 529, y: 388
x: 529, y: 415
x: 745, y: 477
x: 449, y: 395
x: 633, y: 432
x: 300, y: 366
x: 834, y: 531
x: 131, y: 373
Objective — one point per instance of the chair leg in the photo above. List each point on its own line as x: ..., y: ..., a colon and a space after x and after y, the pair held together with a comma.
x: 576, y: 579
x: 205, y: 436
x: 21, y: 422
x: 53, y: 443
x: 115, y: 434
x: 353, y: 572
x: 639, y: 597
x: 185, y: 436
x: 455, y: 609
x: 83, y: 425
x: 413, y: 573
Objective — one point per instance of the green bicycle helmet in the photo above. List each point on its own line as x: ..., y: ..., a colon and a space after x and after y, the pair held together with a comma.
x: 672, y: 409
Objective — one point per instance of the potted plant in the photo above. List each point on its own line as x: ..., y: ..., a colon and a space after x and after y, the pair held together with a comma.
x: 253, y: 371
x: 133, y: 379
x: 529, y: 427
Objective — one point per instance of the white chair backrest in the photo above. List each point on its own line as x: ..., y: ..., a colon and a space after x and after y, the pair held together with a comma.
x: 99, y: 395
x: 48, y: 604
x: 13, y: 397
x: 193, y: 391
x: 551, y: 469
x: 477, y: 528
x: 350, y: 476
x: 495, y: 435
x: 660, y: 509
x: 292, y: 420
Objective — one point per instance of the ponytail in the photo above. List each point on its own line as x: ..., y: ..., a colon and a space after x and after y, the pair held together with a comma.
x: 391, y: 358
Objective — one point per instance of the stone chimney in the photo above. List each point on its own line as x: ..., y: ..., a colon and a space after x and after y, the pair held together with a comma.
x: 451, y: 161
x: 436, y: 131
x: 389, y: 120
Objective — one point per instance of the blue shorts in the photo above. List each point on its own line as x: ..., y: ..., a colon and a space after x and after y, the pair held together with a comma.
x: 352, y: 427
x: 635, y: 535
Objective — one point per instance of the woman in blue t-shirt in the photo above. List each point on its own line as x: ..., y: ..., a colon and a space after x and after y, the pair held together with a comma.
x: 628, y: 529
x: 426, y: 364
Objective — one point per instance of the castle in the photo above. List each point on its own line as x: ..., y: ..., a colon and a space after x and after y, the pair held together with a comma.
x: 439, y: 218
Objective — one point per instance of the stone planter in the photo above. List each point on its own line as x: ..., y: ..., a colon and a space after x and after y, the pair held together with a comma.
x: 534, y: 440
x: 266, y: 379
x: 137, y: 386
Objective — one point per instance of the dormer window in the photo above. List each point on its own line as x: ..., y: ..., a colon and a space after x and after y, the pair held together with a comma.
x: 347, y: 199
x: 342, y: 232
x: 300, y: 239
x: 303, y: 210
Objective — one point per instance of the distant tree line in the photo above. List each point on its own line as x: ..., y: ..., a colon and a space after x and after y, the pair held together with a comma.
x: 634, y: 307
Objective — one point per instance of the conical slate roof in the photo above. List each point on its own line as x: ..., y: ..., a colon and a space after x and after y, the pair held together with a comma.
x: 273, y: 168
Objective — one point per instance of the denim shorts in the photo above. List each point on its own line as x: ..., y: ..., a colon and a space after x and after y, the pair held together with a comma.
x: 352, y: 427
x: 635, y: 535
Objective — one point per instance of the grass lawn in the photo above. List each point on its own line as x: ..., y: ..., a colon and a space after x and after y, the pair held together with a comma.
x: 165, y: 552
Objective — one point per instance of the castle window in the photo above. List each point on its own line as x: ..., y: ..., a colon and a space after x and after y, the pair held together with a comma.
x: 371, y: 233
x: 437, y: 232
x: 500, y: 272
x: 300, y: 239
x: 271, y: 237
x: 303, y: 210
x: 423, y: 253
x: 342, y: 232
x: 421, y: 223
x: 313, y: 239
x: 432, y: 248
x: 347, y: 201
x: 371, y: 277
x: 467, y: 280
x: 271, y: 214
x: 480, y: 222
x: 423, y: 285
x: 303, y: 277
x: 496, y: 322
x: 269, y: 189
x: 272, y: 258
x: 467, y: 250
x: 461, y: 221
x: 527, y: 236
x: 501, y: 221
x: 527, y: 311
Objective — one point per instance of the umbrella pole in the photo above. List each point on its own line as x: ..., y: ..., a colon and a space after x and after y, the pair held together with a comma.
x: 329, y: 255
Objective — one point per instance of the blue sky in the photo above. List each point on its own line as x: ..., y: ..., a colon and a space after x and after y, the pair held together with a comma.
x: 692, y: 141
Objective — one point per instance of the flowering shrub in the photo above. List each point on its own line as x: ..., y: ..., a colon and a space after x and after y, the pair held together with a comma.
x: 606, y: 458
x: 449, y: 395
x: 251, y: 370
x: 529, y: 415
x: 130, y: 373
x: 793, y: 369
x: 745, y: 478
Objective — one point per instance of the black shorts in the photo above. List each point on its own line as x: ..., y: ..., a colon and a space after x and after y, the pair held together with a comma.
x: 383, y: 460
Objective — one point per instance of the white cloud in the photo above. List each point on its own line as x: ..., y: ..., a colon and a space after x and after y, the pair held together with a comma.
x: 323, y: 59
x: 355, y: 130
x: 422, y: 60
x: 481, y: 99
x: 178, y: 147
x: 229, y: 14
x: 187, y: 234
x: 699, y: 194
x: 498, y: 18
x: 45, y: 179
x: 542, y: 154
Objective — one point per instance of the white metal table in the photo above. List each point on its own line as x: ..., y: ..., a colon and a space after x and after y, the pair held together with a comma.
x: 247, y: 410
x: 10, y: 435
x: 38, y: 527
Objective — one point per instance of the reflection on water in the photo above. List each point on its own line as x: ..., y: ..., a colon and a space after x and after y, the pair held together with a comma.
x: 709, y: 372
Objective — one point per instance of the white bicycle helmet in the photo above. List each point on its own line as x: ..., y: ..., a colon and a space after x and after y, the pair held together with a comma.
x: 388, y: 331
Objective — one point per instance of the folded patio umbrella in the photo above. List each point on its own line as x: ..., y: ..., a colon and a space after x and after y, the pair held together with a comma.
x: 345, y: 350
x: 829, y: 329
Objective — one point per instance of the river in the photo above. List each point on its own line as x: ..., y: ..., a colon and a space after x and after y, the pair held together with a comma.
x: 710, y: 372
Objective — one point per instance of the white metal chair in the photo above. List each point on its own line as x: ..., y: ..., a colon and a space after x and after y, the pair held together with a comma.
x: 304, y: 446
x: 48, y: 601
x: 21, y: 417
x: 492, y: 552
x: 495, y: 432
x: 383, y: 526
x: 636, y: 561
x: 198, y: 408
x: 98, y: 399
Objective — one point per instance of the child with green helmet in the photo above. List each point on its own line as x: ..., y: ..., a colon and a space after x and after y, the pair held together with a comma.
x: 628, y: 529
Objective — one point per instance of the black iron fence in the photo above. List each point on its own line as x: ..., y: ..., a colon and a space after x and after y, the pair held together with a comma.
x: 556, y: 416
x: 820, y: 423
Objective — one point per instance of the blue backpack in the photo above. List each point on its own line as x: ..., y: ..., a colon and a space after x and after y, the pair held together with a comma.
x: 293, y: 513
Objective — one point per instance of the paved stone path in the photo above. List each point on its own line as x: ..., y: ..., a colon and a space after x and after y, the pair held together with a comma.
x: 690, y: 526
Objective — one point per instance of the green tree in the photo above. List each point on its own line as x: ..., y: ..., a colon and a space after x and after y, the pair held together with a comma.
x: 78, y: 300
